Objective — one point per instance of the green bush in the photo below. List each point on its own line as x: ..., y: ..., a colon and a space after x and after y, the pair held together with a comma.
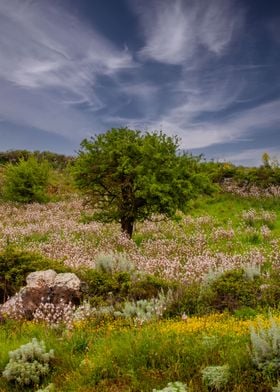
x: 26, y: 181
x: 102, y: 286
x: 107, y: 287
x: 148, y: 286
x: 270, y: 290
x: 15, y: 265
x: 230, y: 291
x: 29, y: 363
x: 185, y: 300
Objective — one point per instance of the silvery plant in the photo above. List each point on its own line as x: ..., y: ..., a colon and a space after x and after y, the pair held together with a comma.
x: 29, y: 363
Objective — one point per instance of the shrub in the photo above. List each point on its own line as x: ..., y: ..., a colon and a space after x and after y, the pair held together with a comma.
x: 29, y: 363
x: 102, y: 285
x: 105, y: 285
x: 111, y: 263
x: 176, y: 386
x: 149, y: 286
x: 26, y: 181
x: 266, y: 349
x: 231, y: 290
x: 145, y: 310
x: 270, y: 290
x: 185, y: 300
x: 15, y: 265
x: 216, y: 376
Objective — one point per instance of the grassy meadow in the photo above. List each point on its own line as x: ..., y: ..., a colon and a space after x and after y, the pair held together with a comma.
x: 193, y: 300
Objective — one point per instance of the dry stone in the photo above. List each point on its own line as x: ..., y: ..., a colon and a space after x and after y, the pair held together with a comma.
x: 45, y: 286
x: 40, y: 279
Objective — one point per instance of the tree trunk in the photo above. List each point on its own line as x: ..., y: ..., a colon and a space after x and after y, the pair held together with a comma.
x: 127, y: 225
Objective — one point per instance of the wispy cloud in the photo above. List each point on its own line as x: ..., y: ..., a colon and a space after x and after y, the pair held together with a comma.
x: 235, y: 127
x: 174, y: 31
x: 193, y: 75
x: 50, y: 62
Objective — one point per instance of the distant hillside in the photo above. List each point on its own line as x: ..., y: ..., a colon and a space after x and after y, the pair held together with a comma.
x: 57, y: 161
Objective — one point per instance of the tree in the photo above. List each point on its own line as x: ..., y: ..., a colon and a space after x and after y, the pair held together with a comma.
x: 130, y: 176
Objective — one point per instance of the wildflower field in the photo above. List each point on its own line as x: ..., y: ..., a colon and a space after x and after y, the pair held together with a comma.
x: 189, y: 304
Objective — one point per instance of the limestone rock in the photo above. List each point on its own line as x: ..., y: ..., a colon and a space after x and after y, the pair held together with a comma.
x: 67, y: 280
x: 42, y: 287
x: 40, y: 279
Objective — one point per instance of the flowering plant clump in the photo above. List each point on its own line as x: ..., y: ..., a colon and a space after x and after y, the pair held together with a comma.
x: 113, y: 262
x: 176, y: 386
x: 145, y: 310
x: 272, y: 191
x: 252, y: 216
x: 15, y: 310
x: 266, y: 347
x: 29, y: 363
x: 216, y: 376
x: 55, y: 314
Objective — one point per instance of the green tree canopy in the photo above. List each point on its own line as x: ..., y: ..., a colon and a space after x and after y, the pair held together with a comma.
x: 129, y: 176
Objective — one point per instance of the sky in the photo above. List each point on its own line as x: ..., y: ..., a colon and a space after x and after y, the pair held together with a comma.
x: 205, y: 70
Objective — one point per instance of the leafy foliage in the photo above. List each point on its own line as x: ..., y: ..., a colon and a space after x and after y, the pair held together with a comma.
x: 26, y: 181
x: 29, y: 363
x: 57, y: 161
x: 266, y: 349
x: 216, y: 376
x: 231, y: 290
x: 129, y: 176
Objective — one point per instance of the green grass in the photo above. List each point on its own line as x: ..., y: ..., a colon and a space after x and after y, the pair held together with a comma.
x: 137, y: 358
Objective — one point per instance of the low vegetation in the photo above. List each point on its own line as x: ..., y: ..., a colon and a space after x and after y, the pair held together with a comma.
x: 186, y: 304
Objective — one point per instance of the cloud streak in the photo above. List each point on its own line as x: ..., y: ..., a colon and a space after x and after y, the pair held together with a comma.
x: 50, y: 62
x: 190, y: 74
x: 175, y: 31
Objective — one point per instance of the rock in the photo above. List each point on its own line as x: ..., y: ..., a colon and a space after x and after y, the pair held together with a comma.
x: 42, y: 287
x: 68, y: 281
x: 40, y: 279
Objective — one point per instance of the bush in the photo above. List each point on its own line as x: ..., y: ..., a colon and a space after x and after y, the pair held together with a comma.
x: 216, y: 377
x: 29, y: 363
x: 270, y: 290
x: 15, y: 265
x: 185, y: 300
x: 102, y: 286
x: 105, y: 285
x: 111, y: 263
x: 149, y: 286
x: 145, y: 310
x: 266, y: 349
x: 26, y: 181
x: 231, y: 290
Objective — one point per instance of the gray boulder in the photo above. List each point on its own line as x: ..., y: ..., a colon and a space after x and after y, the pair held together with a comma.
x: 42, y: 287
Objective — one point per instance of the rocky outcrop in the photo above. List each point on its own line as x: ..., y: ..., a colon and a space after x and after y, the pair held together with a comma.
x: 42, y: 287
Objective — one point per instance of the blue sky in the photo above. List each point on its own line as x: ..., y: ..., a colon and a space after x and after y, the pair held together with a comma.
x: 206, y: 70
